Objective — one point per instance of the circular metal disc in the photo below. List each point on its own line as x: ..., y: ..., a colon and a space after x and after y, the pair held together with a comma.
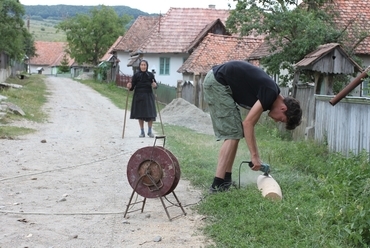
x: 153, y: 171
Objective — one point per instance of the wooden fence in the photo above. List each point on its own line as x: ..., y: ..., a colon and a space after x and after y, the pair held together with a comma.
x: 345, y: 127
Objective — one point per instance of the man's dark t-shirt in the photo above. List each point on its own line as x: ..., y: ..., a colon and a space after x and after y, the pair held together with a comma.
x: 248, y: 83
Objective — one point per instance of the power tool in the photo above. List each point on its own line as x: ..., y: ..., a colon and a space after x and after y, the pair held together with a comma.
x: 265, y: 168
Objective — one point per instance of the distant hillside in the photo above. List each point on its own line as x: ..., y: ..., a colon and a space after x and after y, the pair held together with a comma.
x: 41, y: 19
x: 60, y: 12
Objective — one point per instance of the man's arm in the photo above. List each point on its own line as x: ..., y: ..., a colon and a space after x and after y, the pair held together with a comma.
x: 248, y: 128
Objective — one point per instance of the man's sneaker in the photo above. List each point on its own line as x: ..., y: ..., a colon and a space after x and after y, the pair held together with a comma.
x: 142, y: 135
x: 214, y: 191
x: 227, y: 185
x: 151, y: 135
x: 222, y: 188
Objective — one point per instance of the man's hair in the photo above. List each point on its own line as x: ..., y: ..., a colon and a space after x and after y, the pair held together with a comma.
x: 293, y: 113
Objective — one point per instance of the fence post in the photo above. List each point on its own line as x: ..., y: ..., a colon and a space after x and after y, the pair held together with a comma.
x: 179, y: 89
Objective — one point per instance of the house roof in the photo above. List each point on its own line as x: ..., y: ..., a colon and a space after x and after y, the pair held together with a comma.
x: 216, y: 49
x: 137, y: 34
x: 50, y: 53
x: 355, y: 15
x: 263, y: 50
x: 321, y: 52
x: 108, y: 54
x: 179, y: 28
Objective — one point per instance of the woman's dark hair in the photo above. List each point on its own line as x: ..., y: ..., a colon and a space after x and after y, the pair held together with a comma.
x: 293, y: 113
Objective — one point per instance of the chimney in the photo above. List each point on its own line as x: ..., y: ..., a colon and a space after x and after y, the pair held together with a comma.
x: 212, y: 6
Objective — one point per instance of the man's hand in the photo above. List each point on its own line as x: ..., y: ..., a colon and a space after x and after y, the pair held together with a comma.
x: 256, y: 164
x: 129, y: 85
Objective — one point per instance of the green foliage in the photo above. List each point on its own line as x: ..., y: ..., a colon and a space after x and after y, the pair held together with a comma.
x: 64, y: 67
x: 90, y: 36
x: 290, y: 29
x: 14, y: 36
x: 346, y: 185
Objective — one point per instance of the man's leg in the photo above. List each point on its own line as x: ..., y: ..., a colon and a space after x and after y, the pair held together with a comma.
x: 226, y: 157
x: 225, y: 163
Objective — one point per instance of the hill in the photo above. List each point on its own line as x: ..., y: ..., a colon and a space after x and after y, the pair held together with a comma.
x: 60, y: 12
x: 41, y: 19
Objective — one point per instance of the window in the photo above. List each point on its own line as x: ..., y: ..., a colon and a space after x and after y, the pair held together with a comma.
x: 164, y: 66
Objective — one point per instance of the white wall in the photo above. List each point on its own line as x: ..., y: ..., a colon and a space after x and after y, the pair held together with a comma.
x: 176, y: 61
x: 33, y: 69
x: 4, y: 74
x: 124, y: 59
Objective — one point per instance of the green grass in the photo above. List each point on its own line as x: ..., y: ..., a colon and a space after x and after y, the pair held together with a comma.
x: 321, y: 193
x: 30, y: 99
x: 326, y: 196
x: 45, y: 30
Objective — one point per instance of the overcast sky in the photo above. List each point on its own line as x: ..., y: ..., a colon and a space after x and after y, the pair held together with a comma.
x: 148, y: 6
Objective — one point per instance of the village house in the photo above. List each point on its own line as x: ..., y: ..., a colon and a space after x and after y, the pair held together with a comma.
x: 167, y: 41
x: 49, y: 56
x: 213, y: 49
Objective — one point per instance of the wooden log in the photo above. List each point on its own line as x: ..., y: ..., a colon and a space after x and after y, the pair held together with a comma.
x: 269, y: 187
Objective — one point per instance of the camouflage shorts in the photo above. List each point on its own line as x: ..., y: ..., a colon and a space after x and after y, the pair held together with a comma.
x: 225, y: 114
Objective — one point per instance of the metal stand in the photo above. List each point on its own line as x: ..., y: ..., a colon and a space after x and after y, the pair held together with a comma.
x: 152, y: 187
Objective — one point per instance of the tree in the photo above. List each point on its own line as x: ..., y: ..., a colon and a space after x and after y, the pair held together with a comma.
x: 291, y: 31
x: 16, y: 41
x: 64, y: 67
x: 89, y: 36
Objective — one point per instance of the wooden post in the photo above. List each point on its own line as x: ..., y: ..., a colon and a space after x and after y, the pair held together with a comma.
x: 269, y: 187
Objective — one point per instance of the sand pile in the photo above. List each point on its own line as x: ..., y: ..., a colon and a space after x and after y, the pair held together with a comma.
x: 182, y: 113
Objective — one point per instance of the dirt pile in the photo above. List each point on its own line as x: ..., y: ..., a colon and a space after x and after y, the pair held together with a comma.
x: 182, y: 113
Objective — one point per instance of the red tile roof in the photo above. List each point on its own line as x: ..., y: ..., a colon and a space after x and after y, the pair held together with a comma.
x: 179, y: 28
x: 216, y: 49
x: 356, y: 14
x: 137, y: 34
x: 50, y: 53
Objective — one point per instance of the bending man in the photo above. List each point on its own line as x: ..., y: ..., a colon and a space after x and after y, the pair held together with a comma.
x: 239, y: 83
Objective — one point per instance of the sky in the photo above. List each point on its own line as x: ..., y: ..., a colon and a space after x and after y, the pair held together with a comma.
x: 148, y: 6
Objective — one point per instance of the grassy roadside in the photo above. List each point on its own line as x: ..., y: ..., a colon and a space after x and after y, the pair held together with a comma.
x: 326, y: 196
x: 30, y: 98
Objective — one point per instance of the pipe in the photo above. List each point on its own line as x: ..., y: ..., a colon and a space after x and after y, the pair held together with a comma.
x: 349, y: 87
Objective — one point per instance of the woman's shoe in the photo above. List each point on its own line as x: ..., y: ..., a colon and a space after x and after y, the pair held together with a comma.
x: 142, y: 135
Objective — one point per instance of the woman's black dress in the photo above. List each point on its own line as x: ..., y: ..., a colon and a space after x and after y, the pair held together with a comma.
x: 143, y: 101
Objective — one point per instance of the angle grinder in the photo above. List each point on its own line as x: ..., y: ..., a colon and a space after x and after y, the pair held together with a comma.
x: 265, y: 168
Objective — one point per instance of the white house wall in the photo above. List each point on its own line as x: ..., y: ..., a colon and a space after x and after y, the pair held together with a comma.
x: 33, y: 69
x: 176, y: 61
x: 124, y: 60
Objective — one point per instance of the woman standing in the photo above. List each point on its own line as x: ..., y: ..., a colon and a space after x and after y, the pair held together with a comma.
x: 143, y: 101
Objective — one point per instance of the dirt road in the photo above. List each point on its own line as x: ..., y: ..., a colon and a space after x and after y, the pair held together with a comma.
x: 66, y: 185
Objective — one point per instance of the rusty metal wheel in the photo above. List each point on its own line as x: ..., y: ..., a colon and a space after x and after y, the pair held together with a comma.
x: 153, y: 171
